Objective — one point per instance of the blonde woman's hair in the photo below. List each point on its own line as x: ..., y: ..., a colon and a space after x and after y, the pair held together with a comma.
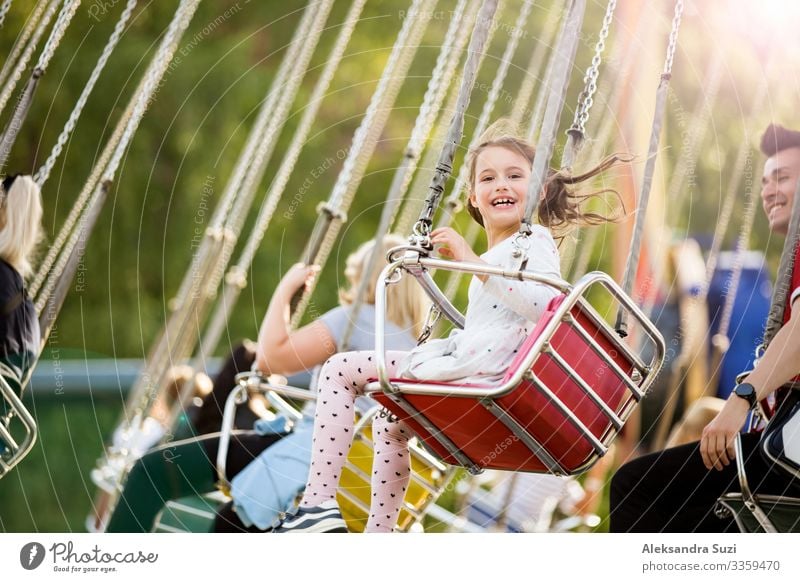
x: 20, y: 222
x: 406, y: 302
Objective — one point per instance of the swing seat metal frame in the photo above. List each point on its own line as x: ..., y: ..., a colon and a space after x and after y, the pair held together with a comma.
x: 15, y: 420
x: 756, y: 512
x: 429, y: 476
x: 564, y: 399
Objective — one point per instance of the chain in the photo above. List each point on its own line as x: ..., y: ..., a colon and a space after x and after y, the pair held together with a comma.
x: 153, y: 76
x: 586, y: 99
x: 59, y: 28
x: 4, y: 10
x: 16, y: 75
x: 22, y: 41
x: 44, y: 172
x: 673, y: 37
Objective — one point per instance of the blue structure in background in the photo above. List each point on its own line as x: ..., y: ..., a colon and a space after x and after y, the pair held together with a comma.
x: 750, y: 310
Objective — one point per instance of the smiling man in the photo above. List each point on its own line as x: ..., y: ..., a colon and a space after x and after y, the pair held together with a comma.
x: 676, y: 490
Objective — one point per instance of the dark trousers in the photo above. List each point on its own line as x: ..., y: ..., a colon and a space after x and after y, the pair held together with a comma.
x: 672, y: 491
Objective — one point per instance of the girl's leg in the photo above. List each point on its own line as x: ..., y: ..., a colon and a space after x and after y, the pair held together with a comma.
x: 341, y: 381
x: 390, y: 473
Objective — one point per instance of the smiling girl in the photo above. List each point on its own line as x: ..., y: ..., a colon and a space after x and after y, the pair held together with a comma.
x: 499, y: 316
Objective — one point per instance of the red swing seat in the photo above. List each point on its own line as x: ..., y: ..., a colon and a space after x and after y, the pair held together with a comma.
x: 565, y: 397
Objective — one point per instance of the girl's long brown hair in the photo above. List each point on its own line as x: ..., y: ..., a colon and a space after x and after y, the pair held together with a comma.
x: 560, y: 207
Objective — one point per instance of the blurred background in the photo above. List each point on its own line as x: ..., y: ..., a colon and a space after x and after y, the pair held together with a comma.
x: 176, y: 167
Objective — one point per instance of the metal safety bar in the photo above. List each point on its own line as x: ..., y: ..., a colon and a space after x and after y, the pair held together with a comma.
x: 11, y: 452
x: 644, y: 374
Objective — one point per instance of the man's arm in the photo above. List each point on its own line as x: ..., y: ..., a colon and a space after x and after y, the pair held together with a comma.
x: 779, y: 364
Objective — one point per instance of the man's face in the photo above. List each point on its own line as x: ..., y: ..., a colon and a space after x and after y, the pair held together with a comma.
x: 778, y: 185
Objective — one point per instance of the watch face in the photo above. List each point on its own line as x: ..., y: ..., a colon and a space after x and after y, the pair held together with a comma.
x: 745, y: 390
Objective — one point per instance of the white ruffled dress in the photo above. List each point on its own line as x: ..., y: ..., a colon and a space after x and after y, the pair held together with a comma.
x: 500, y: 315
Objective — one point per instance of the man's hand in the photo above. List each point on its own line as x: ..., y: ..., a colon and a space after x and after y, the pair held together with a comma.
x: 717, y: 443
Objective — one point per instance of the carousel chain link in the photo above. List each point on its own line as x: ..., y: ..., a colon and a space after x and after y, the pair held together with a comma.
x: 27, y: 53
x: 419, y: 183
x: 83, y: 197
x: 44, y: 172
x: 735, y: 177
x: 301, y: 133
x: 254, y: 138
x: 586, y: 99
x: 236, y: 279
x: 59, y: 29
x: 368, y: 132
x: 435, y: 87
x: 673, y: 37
x: 738, y: 262
x: 475, y: 52
x: 266, y: 147
x: 22, y: 40
x: 155, y: 72
x: 563, y: 58
x: 433, y: 96
x: 634, y: 251
x: 4, y: 8
x: 453, y: 201
x: 153, y: 75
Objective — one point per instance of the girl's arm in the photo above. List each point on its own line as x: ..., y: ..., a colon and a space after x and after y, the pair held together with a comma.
x: 281, y: 350
x: 526, y: 298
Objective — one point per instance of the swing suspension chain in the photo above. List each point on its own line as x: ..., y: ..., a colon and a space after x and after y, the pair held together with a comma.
x: 676, y: 190
x: 442, y: 75
x: 419, y: 188
x: 10, y: 84
x: 22, y: 40
x: 365, y: 140
x: 453, y: 201
x: 673, y: 37
x: 43, y: 173
x: 23, y: 104
x: 236, y: 278
x: 741, y: 247
x: 604, y: 129
x: 535, y: 122
x: 564, y: 57
x: 783, y: 281
x: 178, y: 335
x: 697, y: 133
x: 59, y: 29
x: 269, y: 140
x: 446, y: 63
x: 4, y: 8
x: 141, y: 100
x: 586, y: 97
x: 658, y: 119
x: 83, y: 198
x: 422, y: 228
x: 202, y: 260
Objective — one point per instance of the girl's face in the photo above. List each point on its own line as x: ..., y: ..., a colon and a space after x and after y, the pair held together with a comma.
x: 500, y: 189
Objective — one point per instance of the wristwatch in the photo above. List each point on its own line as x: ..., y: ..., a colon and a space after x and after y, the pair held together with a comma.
x: 747, y: 392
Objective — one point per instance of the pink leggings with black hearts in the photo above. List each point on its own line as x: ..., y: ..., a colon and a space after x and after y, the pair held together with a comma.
x: 341, y: 381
